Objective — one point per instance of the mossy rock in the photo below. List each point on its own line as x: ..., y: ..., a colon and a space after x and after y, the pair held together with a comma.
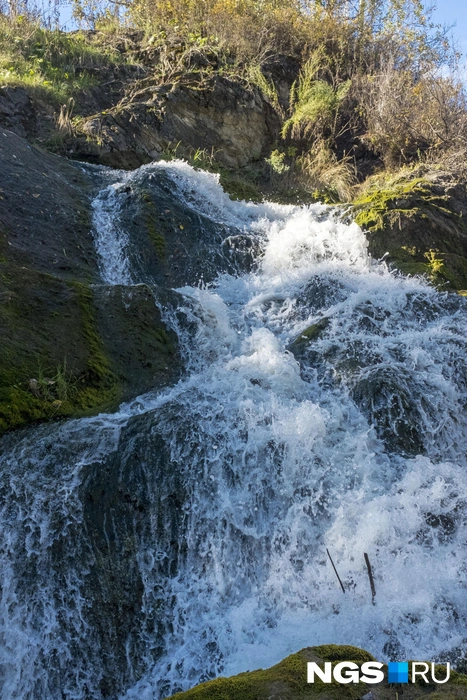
x: 287, y: 680
x: 417, y: 220
x: 67, y: 349
x: 174, y: 245
x: 52, y: 361
x: 310, y: 334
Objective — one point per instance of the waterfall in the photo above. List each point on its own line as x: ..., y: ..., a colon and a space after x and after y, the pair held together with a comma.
x: 185, y: 536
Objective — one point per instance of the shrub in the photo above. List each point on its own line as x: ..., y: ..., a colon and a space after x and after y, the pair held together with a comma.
x: 314, y: 103
x: 407, y: 116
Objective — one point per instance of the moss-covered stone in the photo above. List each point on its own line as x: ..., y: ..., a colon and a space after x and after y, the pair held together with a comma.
x: 174, y: 245
x: 142, y: 351
x: 288, y: 681
x: 309, y: 334
x: 417, y: 221
x: 67, y: 349
x: 52, y: 362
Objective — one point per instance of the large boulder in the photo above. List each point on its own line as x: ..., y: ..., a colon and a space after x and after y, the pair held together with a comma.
x: 418, y: 221
x: 45, y: 213
x: 67, y: 346
x: 288, y: 681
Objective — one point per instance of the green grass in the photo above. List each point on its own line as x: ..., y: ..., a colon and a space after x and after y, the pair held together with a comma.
x: 53, y: 63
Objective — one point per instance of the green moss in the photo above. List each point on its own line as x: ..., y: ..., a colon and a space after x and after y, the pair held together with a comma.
x: 385, y: 200
x: 444, y: 270
x: 239, y: 185
x: 416, y: 227
x: 52, y: 361
x: 98, y: 387
x: 17, y: 405
x: 374, y: 207
x: 335, y: 652
x: 309, y: 334
x: 288, y: 681
x: 150, y: 217
x: 159, y: 242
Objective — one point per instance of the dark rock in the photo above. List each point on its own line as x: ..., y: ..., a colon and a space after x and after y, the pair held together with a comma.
x: 419, y: 222
x: 173, y: 244
x: 141, y: 350
x: 133, y: 508
x: 233, y: 123
x: 308, y: 335
x: 66, y: 348
x: 282, y: 71
x: 84, y: 349
x: 45, y: 213
x: 18, y: 112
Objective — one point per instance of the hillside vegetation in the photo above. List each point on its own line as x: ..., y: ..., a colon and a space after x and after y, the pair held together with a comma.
x: 362, y: 88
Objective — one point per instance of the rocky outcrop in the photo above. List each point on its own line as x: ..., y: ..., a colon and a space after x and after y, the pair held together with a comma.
x: 67, y: 346
x: 418, y: 220
x: 288, y: 681
x: 45, y: 218
x: 18, y: 112
x: 173, y: 244
x: 133, y: 503
x: 228, y: 120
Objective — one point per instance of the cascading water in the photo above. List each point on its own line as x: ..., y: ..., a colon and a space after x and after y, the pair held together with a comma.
x: 185, y: 536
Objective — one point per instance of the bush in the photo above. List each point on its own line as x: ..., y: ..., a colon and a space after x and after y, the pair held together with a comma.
x: 407, y: 116
x: 314, y: 102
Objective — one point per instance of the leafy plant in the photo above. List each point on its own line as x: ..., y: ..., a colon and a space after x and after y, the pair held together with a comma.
x: 314, y: 102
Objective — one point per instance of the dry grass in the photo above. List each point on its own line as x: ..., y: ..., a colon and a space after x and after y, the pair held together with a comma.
x: 408, y: 117
x: 321, y: 173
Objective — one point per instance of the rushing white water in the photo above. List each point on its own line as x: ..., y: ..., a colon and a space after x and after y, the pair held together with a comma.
x: 111, y: 239
x: 357, y: 446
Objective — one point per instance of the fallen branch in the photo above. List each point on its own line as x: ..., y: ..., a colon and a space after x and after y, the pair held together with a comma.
x: 370, y: 576
x: 335, y: 571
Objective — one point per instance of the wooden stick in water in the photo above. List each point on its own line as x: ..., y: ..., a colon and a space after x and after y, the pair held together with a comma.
x: 370, y: 576
x: 335, y: 571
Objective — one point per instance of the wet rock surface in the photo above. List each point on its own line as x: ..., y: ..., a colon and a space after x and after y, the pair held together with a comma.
x: 45, y: 214
x: 66, y: 347
x: 134, y: 499
x: 418, y: 222
x: 173, y: 244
